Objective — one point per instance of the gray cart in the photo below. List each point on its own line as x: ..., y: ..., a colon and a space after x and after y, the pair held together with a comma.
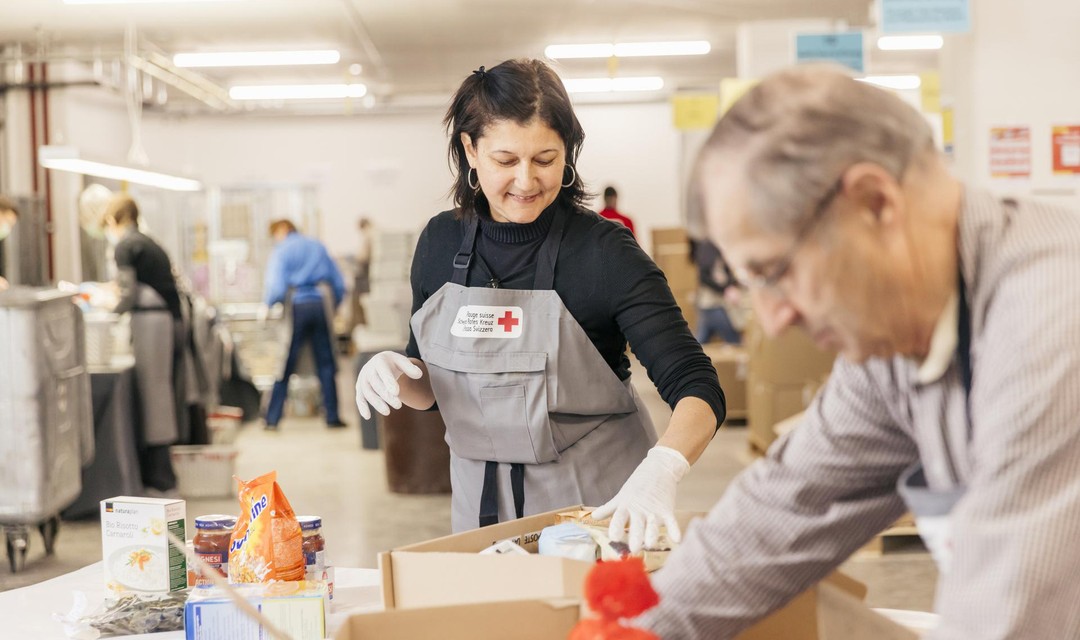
x: 46, y: 424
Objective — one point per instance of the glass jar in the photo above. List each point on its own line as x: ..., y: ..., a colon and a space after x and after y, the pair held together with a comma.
x: 212, y: 536
x: 314, y: 544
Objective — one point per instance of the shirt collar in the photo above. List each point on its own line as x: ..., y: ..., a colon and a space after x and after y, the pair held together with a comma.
x: 942, y: 343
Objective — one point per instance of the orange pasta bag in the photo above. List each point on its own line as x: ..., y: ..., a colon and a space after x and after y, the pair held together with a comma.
x: 266, y: 544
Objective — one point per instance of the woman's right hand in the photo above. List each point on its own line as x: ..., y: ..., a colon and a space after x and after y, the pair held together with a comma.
x: 377, y: 383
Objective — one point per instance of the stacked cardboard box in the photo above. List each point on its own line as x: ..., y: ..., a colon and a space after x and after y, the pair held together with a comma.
x: 732, y: 368
x: 784, y: 374
x: 671, y: 252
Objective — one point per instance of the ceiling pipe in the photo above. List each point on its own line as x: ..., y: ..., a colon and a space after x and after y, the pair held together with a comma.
x: 356, y: 21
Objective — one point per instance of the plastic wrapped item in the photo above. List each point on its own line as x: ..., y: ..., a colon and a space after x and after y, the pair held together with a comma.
x: 131, y: 614
x: 267, y: 543
x: 568, y: 540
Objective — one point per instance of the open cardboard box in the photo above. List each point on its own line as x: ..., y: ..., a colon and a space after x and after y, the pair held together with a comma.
x: 449, y: 570
x: 831, y: 610
x: 521, y: 620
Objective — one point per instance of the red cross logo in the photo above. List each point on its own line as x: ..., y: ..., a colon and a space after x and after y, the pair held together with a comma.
x: 508, y: 322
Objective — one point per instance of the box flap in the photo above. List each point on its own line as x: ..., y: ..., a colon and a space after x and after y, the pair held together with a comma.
x: 439, y: 579
x: 842, y: 616
x: 479, y: 539
x: 487, y: 621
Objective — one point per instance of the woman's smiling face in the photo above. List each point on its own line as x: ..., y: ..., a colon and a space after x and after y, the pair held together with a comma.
x: 520, y: 168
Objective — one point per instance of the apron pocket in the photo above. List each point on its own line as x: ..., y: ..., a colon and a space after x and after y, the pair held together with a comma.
x: 494, y: 404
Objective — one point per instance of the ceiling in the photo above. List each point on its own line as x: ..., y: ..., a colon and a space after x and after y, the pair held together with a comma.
x: 408, y: 48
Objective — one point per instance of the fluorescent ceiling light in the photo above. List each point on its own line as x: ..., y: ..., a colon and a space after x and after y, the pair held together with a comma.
x: 628, y: 49
x: 600, y: 85
x: 894, y: 82
x: 910, y: 43
x: 141, y: 1
x: 256, y: 58
x: 67, y: 159
x: 297, y: 91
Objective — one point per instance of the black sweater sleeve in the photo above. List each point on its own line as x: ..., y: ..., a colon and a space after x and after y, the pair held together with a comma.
x: 647, y: 314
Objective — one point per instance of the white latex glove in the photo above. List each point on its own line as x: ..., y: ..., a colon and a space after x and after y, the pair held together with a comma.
x: 377, y: 383
x: 647, y: 500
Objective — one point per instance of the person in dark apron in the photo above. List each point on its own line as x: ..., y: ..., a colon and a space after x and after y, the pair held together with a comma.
x: 523, y: 304
x: 302, y: 275
x: 147, y: 289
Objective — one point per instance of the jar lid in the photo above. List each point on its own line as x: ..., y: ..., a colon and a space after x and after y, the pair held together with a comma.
x: 309, y: 523
x: 216, y: 522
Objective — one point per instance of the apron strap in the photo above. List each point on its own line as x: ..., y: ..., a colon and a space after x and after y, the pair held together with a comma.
x: 963, y: 348
x: 549, y: 253
x: 489, y: 495
x: 463, y: 259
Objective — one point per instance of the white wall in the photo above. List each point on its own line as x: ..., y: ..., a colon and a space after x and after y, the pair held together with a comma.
x: 1017, y: 67
x: 394, y: 169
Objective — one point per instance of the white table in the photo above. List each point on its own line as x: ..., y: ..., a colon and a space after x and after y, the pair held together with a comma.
x: 28, y: 612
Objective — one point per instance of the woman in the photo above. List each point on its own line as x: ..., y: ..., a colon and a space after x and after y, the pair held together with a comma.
x: 523, y: 303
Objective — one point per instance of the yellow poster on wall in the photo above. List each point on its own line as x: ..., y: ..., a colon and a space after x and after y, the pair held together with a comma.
x: 695, y: 111
x: 930, y: 90
x: 731, y: 89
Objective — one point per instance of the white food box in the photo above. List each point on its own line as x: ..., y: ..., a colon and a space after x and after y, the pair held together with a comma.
x: 136, y: 554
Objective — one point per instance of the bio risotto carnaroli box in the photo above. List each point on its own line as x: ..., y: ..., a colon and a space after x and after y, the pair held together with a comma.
x: 136, y: 553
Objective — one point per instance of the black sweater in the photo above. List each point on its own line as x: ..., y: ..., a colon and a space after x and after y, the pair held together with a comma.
x: 607, y: 283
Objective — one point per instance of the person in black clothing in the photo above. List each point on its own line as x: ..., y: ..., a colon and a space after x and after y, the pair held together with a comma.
x: 147, y: 290
x: 485, y: 326
x: 716, y: 288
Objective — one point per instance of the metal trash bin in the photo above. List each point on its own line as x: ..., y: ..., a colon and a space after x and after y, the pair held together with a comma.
x: 46, y: 413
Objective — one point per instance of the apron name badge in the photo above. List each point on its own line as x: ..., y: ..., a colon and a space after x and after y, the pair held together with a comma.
x: 478, y: 321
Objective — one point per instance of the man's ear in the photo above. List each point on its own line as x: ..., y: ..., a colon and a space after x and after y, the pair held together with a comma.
x: 874, y: 192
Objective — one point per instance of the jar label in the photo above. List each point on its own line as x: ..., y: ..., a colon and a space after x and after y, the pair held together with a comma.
x: 218, y: 561
x: 315, y: 560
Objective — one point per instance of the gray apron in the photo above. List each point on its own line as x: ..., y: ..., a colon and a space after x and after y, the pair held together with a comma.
x: 305, y: 362
x: 153, y: 333
x: 535, y: 418
x: 930, y: 507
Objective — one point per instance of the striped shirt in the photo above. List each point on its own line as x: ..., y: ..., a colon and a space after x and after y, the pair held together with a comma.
x: 830, y: 485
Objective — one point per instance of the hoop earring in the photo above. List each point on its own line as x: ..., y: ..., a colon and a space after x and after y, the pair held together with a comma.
x: 573, y: 178
x: 469, y: 178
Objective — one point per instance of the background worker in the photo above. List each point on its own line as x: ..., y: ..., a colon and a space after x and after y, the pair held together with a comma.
x: 301, y: 274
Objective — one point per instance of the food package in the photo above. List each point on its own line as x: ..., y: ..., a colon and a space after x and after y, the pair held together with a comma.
x: 266, y: 544
x: 568, y: 540
x: 297, y: 609
x: 654, y: 556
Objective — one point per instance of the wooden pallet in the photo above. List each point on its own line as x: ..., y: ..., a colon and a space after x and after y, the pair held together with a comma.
x: 902, y: 528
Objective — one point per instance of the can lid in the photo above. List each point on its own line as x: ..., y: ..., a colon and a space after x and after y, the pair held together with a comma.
x: 216, y: 522
x: 309, y: 523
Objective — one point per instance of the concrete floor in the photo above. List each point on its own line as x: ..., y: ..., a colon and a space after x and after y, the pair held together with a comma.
x: 326, y: 472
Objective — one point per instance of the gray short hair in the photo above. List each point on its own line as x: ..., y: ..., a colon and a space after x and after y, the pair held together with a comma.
x: 795, y: 133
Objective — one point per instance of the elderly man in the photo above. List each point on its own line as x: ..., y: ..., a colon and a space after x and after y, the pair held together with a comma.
x: 957, y: 393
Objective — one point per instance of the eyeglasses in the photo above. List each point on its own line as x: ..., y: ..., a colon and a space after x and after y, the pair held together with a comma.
x: 770, y: 281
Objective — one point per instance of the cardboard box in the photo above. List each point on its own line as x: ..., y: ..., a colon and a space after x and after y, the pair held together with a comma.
x: 451, y: 571
x: 135, y: 552
x: 296, y: 608
x: 732, y: 368
x: 542, y: 620
x: 831, y: 610
x: 783, y: 375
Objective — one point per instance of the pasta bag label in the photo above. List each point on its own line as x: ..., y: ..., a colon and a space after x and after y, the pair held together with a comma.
x: 266, y: 544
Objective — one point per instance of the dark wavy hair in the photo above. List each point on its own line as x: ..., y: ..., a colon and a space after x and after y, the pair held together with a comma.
x: 518, y: 91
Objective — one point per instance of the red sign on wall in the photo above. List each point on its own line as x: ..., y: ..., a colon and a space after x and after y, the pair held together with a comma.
x: 1066, y: 140
x: 1010, y: 152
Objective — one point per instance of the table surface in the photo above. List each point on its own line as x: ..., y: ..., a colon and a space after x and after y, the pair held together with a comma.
x: 28, y: 612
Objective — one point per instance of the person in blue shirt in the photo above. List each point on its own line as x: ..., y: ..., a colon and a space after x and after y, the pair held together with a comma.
x: 301, y: 274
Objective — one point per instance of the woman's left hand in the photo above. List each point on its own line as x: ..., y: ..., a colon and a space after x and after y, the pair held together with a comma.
x: 647, y: 500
